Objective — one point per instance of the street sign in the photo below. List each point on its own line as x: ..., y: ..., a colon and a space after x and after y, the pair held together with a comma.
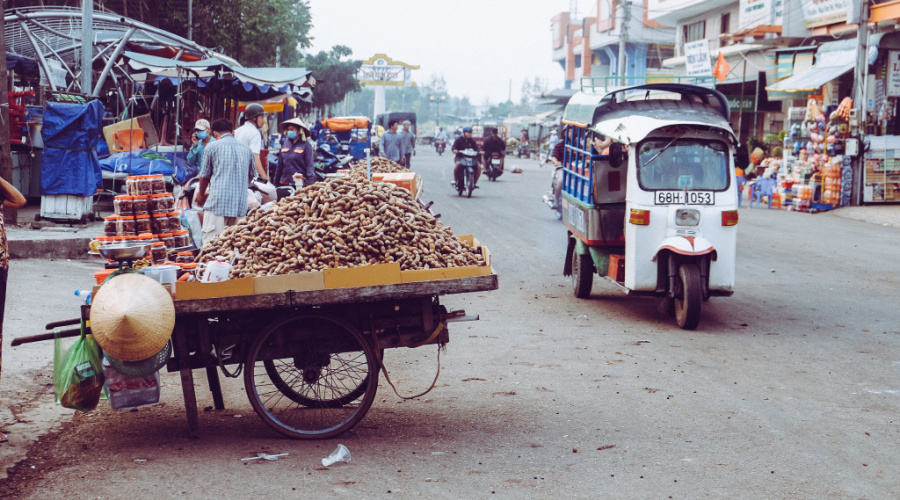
x: 697, y: 58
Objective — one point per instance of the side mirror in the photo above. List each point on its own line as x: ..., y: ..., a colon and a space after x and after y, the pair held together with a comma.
x: 741, y: 156
x: 617, y: 155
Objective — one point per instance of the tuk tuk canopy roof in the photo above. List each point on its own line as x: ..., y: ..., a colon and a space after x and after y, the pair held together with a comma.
x: 345, y: 123
x: 647, y: 108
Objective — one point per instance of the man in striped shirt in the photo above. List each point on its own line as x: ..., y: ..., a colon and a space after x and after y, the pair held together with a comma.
x: 226, y: 168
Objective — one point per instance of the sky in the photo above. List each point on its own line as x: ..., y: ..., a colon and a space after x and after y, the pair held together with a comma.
x: 479, y: 46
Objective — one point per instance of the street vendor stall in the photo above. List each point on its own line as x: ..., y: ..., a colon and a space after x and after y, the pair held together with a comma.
x: 302, y: 299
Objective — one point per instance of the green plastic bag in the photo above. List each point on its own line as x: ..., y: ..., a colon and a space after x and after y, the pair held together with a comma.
x: 78, y: 373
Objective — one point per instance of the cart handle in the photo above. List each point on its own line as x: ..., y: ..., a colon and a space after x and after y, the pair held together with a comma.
x: 74, y: 332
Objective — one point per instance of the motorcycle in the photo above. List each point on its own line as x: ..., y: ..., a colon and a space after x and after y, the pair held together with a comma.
x: 327, y: 163
x: 553, y: 199
x: 469, y: 163
x: 494, y: 167
x: 440, y: 145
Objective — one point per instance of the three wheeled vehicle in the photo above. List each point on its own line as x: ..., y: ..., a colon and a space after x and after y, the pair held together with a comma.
x: 353, y: 134
x: 649, y: 193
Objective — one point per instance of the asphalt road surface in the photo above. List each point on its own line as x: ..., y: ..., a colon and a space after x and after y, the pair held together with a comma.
x: 788, y: 389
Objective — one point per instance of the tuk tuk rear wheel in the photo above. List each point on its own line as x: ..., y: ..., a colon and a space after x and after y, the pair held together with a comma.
x: 582, y: 274
x: 688, y: 296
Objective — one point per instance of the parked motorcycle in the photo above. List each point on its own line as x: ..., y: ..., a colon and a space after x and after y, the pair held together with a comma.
x: 440, y: 145
x: 329, y: 163
x: 494, y: 166
x: 469, y: 163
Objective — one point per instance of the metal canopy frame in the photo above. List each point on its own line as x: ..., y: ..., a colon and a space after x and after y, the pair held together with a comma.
x: 56, y: 34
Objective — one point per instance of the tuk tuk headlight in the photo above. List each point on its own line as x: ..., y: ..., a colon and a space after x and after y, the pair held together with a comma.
x: 687, y: 217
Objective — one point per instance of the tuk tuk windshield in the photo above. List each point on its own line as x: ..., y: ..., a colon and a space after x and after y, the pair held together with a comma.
x: 679, y: 163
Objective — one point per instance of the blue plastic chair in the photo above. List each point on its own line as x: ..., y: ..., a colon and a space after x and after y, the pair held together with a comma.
x: 741, y: 180
x: 762, y: 187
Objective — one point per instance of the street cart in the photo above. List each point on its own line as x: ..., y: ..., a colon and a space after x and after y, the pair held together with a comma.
x: 649, y: 193
x: 310, y: 368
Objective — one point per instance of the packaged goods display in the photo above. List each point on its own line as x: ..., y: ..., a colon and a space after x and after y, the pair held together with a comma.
x: 126, y: 225
x: 124, y: 205
x: 140, y: 205
x: 167, y: 239
x: 142, y: 224
x: 344, y: 222
x: 158, y: 252
x: 182, y: 238
x: 111, y: 225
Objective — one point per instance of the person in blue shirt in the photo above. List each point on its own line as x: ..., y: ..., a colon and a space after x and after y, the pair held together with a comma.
x: 200, y: 138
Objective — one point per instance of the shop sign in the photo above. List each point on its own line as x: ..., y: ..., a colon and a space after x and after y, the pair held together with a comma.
x: 753, y: 13
x: 893, y: 73
x: 825, y: 12
x: 697, y: 58
x: 736, y: 103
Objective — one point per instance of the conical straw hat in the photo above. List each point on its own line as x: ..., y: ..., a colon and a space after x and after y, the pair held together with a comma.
x: 132, y: 317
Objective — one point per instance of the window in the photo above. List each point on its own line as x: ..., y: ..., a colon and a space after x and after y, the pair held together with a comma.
x: 577, y: 60
x: 677, y: 164
x: 726, y: 23
x: 694, y: 31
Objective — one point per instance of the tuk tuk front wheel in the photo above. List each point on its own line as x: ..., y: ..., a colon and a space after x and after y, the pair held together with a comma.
x: 582, y: 274
x: 688, y: 296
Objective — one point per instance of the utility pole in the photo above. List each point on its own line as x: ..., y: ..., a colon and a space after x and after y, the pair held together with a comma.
x: 859, y: 96
x: 5, y: 153
x: 623, y: 38
x: 87, y: 46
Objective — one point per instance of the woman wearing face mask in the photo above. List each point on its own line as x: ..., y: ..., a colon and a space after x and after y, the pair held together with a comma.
x: 199, y: 140
x: 297, y: 154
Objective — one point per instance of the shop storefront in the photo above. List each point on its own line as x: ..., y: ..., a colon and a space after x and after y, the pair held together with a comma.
x: 881, y: 174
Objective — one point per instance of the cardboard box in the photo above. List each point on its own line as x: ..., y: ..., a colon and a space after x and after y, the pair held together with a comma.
x: 299, y: 282
x: 142, y: 122
x: 350, y: 277
x: 407, y: 180
x: 616, y: 269
x: 189, y: 290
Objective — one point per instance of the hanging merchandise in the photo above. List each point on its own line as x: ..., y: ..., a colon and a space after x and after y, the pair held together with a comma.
x: 78, y: 373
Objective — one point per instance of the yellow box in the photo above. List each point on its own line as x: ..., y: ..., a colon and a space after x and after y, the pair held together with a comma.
x: 379, y: 274
x: 408, y: 180
x: 188, y: 290
x: 299, y: 282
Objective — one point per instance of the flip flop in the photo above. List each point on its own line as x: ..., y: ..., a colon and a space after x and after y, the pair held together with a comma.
x: 3, y: 438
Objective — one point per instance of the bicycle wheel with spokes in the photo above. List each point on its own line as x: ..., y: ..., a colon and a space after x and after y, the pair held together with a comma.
x: 311, y: 376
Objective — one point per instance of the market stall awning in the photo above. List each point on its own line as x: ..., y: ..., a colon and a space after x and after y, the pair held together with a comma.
x: 213, y: 66
x: 833, y: 59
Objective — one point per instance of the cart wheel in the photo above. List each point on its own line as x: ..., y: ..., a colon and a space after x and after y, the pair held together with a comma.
x: 688, y: 296
x: 582, y: 274
x: 311, y: 376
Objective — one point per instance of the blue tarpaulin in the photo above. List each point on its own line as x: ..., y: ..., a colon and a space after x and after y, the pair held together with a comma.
x: 147, y: 162
x: 69, y: 164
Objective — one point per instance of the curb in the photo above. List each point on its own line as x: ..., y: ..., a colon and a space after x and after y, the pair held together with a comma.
x: 67, y: 248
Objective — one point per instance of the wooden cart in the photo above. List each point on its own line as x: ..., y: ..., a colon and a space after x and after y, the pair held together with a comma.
x: 310, y: 359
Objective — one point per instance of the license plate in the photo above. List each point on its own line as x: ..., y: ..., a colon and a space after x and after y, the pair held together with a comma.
x: 678, y: 198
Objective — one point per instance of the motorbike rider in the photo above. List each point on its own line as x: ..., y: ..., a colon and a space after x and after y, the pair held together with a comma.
x: 297, y: 155
x: 441, y: 135
x: 460, y: 144
x: 250, y: 134
x: 494, y: 144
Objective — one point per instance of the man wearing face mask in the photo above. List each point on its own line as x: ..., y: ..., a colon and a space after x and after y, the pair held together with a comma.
x: 296, y: 155
x: 199, y: 140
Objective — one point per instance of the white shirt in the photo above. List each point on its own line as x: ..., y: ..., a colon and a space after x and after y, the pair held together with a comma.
x: 250, y: 136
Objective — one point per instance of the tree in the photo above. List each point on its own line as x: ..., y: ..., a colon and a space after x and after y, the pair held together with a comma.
x: 337, y: 76
x: 250, y: 30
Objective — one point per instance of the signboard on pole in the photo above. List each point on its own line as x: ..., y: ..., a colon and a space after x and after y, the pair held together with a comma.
x: 697, y: 58
x: 893, y: 74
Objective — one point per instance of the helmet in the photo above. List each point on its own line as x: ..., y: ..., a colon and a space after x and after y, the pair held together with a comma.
x: 253, y: 110
x: 467, y: 129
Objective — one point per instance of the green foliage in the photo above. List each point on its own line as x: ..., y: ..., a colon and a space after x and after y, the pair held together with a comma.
x: 337, y: 76
x: 249, y: 30
x: 753, y: 143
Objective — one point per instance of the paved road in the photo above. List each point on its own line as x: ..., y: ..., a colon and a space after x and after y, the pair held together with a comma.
x: 789, y: 389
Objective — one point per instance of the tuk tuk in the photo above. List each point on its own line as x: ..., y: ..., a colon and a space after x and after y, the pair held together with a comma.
x: 649, y: 193
x: 352, y: 133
